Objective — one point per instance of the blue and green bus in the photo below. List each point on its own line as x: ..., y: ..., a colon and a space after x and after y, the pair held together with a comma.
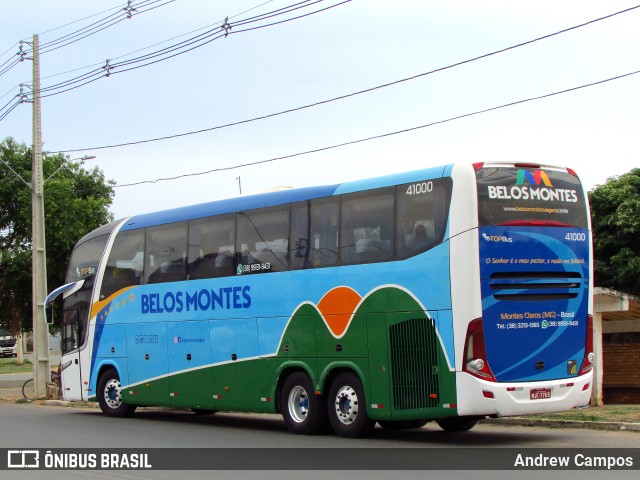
x: 445, y: 294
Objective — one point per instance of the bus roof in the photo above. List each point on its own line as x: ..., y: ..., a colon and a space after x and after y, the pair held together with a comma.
x: 236, y: 204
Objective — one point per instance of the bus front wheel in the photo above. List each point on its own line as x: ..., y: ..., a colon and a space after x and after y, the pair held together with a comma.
x: 303, y: 411
x: 347, y: 407
x: 110, y: 395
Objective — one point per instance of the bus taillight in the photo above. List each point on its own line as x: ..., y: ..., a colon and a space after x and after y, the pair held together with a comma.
x: 589, y: 356
x: 475, y: 360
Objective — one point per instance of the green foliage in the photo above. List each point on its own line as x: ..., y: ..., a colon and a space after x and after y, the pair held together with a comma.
x: 615, y: 214
x: 77, y: 201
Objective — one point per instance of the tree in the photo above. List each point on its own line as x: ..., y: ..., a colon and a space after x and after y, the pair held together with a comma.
x: 77, y: 201
x: 615, y: 215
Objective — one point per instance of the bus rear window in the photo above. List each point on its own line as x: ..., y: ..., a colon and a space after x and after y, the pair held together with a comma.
x: 530, y: 196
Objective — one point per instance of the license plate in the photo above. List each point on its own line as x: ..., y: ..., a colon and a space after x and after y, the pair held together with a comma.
x: 539, y: 393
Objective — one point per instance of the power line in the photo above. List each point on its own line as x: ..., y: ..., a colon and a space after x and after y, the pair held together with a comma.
x: 353, y: 94
x: 159, y: 43
x: 4, y: 95
x: 376, y: 137
x: 9, y: 107
x: 223, y: 32
x: 80, y: 20
x: 200, y: 40
x: 180, y: 48
x: 9, y: 49
x: 96, y: 27
x: 127, y: 12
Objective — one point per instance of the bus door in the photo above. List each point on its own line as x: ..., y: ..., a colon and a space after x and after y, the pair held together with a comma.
x: 75, y: 320
x: 70, y: 363
x: 72, y: 332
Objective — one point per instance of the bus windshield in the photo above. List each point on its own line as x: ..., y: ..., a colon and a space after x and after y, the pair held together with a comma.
x: 85, y: 258
x: 534, y: 196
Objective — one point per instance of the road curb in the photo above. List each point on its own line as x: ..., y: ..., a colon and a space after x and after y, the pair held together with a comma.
x: 536, y: 422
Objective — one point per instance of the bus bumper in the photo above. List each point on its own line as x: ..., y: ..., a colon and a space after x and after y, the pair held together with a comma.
x: 482, y: 398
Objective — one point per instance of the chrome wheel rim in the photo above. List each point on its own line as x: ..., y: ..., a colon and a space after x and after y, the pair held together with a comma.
x: 298, y: 404
x: 113, y: 393
x: 346, y: 404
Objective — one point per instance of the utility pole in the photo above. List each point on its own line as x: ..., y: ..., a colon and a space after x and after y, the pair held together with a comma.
x: 39, y: 256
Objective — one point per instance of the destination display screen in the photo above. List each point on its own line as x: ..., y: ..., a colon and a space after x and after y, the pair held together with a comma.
x: 513, y: 194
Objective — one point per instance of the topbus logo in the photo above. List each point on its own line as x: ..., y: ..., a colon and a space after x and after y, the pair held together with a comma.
x: 497, y: 238
x: 534, y: 178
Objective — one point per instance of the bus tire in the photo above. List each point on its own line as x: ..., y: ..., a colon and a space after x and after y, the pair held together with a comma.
x: 347, y: 407
x: 304, y: 412
x: 402, y: 424
x: 457, y: 424
x: 110, y: 395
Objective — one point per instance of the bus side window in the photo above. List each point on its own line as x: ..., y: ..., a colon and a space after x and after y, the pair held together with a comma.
x: 314, y: 234
x: 211, y: 247
x: 124, y: 266
x: 367, y: 226
x: 263, y: 239
x: 166, y: 253
x: 421, y: 216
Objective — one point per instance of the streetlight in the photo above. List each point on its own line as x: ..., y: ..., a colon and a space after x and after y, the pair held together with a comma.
x: 81, y: 159
x: 41, y: 366
x: 30, y: 184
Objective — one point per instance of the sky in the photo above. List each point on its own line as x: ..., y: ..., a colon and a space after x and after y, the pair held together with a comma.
x: 352, y: 47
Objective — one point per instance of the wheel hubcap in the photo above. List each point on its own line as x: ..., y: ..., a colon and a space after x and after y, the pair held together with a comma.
x: 346, y: 405
x: 298, y: 404
x: 112, y: 393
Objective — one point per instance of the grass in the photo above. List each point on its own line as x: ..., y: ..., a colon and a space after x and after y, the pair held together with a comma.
x: 605, y: 413
x: 9, y: 365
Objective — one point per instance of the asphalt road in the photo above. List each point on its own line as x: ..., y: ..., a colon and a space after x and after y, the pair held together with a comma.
x: 34, y: 426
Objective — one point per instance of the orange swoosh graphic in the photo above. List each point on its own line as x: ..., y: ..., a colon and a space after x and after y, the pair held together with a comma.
x: 337, y: 307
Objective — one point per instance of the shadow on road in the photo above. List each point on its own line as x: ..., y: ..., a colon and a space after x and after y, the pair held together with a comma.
x: 480, y: 436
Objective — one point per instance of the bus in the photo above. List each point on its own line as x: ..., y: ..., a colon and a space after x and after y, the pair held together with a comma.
x: 446, y: 294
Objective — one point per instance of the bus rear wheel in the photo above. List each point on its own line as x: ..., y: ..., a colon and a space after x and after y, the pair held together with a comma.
x: 110, y: 395
x: 303, y: 411
x: 347, y: 407
x: 457, y: 424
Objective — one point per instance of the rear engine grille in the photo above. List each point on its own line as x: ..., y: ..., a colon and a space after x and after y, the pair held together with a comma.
x: 414, y: 360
